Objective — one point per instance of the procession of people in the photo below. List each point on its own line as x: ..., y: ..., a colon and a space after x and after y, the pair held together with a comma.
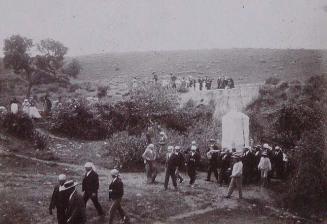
x: 71, y: 205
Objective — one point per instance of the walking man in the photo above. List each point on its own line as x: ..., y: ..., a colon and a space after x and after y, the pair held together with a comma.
x: 236, y: 176
x: 180, y: 164
x: 172, y: 162
x: 90, y: 186
x: 149, y: 156
x: 116, y: 192
x: 264, y: 167
x: 212, y: 155
x: 75, y: 211
x: 59, y: 200
x: 192, y: 162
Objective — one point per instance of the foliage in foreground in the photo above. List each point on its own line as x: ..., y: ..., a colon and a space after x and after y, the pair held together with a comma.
x: 294, y: 116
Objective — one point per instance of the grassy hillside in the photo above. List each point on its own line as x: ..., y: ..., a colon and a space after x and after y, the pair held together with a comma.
x: 244, y: 65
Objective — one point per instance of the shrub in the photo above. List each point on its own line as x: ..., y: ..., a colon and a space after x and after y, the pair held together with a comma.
x: 272, y: 81
x: 127, y: 150
x: 102, y: 91
x: 297, y: 122
x: 19, y: 125
x: 40, y: 140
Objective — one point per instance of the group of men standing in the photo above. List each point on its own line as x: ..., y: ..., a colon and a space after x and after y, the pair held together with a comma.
x: 252, y: 165
x: 71, y: 205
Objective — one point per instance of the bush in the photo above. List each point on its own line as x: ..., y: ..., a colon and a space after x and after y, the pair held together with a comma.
x: 40, y: 140
x: 297, y: 122
x: 19, y: 125
x: 127, y: 150
x: 102, y: 91
x: 272, y: 81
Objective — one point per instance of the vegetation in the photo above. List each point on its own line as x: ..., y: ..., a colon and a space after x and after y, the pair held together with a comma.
x: 48, y: 63
x: 294, y: 116
x: 73, y: 68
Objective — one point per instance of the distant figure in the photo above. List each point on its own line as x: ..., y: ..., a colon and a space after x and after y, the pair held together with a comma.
x: 75, y: 212
x: 172, y: 162
x: 163, y: 140
x: 47, y: 104
x: 191, y: 163
x: 90, y: 186
x: 180, y: 164
x: 26, y: 107
x: 173, y: 79
x: 59, y: 200
x: 155, y: 78
x: 149, y: 156
x: 33, y: 111
x: 264, y: 167
x: 236, y: 176
x: 14, y: 106
x: 212, y: 155
x: 116, y: 192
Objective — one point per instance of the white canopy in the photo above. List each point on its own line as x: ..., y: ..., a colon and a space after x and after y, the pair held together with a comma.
x: 235, y: 130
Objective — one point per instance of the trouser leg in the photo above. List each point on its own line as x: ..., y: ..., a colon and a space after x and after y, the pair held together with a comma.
x: 192, y: 175
x: 97, y: 204
x: 86, y: 197
x: 215, y: 172
x: 173, y: 178
x: 231, y: 187
x: 239, y: 186
x: 166, y: 179
x: 113, y: 210
x: 154, y: 173
x: 61, y: 217
x: 209, y: 172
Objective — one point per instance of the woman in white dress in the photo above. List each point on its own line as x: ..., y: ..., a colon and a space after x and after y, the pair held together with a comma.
x: 26, y: 106
x: 33, y: 111
x: 14, y: 106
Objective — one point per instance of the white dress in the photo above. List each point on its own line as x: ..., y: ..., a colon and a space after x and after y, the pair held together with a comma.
x: 14, y: 108
x: 34, y: 113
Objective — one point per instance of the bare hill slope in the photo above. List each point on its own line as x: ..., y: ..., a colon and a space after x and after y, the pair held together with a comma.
x: 244, y: 65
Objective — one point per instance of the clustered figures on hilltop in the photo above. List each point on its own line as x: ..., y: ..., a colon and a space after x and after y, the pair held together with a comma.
x: 201, y: 83
x: 253, y: 165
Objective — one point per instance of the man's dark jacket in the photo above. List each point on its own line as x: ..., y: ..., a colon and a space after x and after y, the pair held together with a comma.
x: 91, y: 183
x: 116, y: 189
x: 76, y: 210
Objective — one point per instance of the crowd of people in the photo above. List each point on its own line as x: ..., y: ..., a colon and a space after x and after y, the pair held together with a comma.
x: 200, y: 83
x: 71, y: 205
x: 253, y: 165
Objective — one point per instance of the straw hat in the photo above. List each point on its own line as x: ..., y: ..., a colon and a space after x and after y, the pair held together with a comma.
x: 114, y: 172
x: 193, y: 147
x: 193, y: 142
x: 69, y: 184
x: 62, y: 177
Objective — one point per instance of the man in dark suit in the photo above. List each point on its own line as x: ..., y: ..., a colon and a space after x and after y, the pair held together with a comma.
x: 192, y: 162
x: 59, y: 200
x: 172, y: 163
x: 212, y: 155
x: 90, y: 187
x: 116, y: 192
x: 75, y: 211
x: 225, y: 165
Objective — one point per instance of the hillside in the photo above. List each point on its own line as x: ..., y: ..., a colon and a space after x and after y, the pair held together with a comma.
x: 244, y: 65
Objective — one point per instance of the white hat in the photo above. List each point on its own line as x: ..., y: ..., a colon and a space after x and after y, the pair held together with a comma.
x: 266, y: 146
x: 69, y: 184
x: 151, y: 146
x: 277, y: 147
x: 193, y: 142
x: 62, y: 177
x: 88, y: 165
x: 114, y: 172
x: 193, y: 147
x: 162, y: 133
x: 170, y: 147
x: 177, y: 147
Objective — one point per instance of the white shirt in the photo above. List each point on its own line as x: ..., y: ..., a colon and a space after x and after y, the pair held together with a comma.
x: 70, y: 197
x: 237, y: 169
x: 87, y: 174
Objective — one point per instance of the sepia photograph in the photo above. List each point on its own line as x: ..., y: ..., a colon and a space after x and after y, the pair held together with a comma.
x: 163, y: 111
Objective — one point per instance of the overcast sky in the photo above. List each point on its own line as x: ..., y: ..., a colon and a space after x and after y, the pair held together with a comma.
x: 96, y: 26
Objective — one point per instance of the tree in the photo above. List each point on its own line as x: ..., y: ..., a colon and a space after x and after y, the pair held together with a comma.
x: 18, y: 57
x: 73, y: 68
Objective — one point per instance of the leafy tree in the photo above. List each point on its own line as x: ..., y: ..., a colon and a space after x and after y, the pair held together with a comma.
x: 18, y: 57
x: 73, y: 68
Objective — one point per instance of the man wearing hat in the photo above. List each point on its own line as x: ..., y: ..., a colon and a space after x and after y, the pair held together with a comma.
x: 149, y: 156
x: 264, y: 167
x: 224, y: 167
x: 192, y: 161
x: 212, y: 155
x: 278, y: 162
x: 116, y: 192
x: 172, y: 163
x: 249, y: 165
x: 75, y: 212
x: 90, y: 186
x: 180, y: 163
x: 59, y: 200
x: 236, y: 176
